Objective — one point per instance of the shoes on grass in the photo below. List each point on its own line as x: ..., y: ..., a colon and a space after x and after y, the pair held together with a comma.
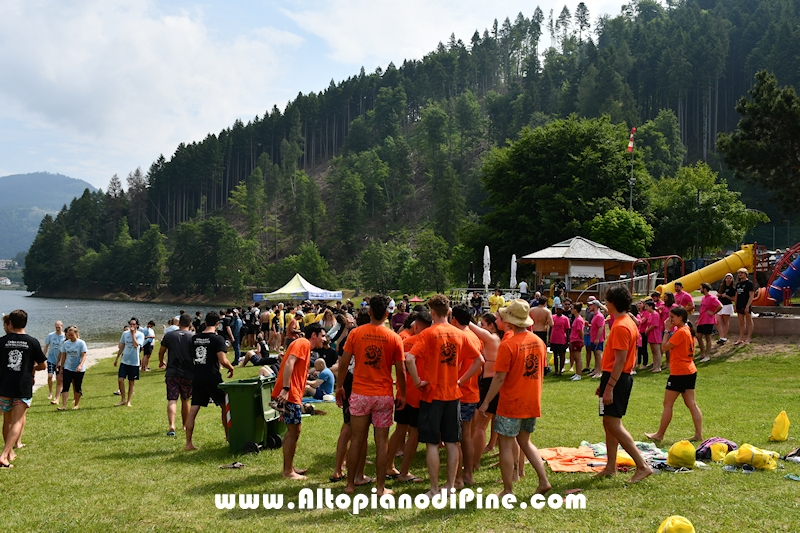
x: 576, y: 377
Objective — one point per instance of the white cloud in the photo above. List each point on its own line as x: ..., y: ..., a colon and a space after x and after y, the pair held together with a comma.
x: 121, y: 77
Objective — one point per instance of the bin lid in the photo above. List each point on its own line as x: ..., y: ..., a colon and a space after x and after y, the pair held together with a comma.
x: 250, y: 382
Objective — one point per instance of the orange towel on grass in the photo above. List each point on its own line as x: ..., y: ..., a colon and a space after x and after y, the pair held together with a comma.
x: 571, y: 459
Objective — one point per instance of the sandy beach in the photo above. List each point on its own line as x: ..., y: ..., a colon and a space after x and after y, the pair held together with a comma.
x: 93, y: 355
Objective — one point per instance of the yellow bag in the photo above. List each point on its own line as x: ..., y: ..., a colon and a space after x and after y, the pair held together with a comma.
x: 623, y: 459
x: 681, y: 454
x: 676, y: 524
x: 761, y: 459
x: 718, y: 451
x: 730, y: 458
x: 780, y: 429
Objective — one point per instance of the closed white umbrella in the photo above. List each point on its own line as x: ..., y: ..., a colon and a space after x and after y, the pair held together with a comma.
x: 513, y: 282
x: 487, y: 263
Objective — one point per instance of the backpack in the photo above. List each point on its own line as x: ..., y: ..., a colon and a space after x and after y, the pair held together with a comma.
x: 703, y: 452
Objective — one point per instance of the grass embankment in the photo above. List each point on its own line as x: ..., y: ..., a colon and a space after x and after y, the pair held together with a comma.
x: 108, y: 469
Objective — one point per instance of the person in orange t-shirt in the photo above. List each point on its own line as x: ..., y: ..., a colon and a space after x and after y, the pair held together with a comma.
x: 438, y: 351
x: 489, y: 334
x: 292, y: 377
x: 519, y: 373
x: 407, y: 418
x: 683, y: 374
x: 469, y: 375
x: 619, y: 356
x: 376, y: 349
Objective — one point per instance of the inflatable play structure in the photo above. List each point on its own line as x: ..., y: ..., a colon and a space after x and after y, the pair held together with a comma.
x: 783, y: 281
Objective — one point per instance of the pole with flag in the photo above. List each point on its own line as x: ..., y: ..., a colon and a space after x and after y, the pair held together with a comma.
x: 631, y: 180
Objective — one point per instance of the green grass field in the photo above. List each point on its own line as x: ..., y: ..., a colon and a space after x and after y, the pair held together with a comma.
x: 111, y: 469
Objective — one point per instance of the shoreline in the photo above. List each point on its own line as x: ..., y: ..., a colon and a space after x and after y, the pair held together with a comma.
x: 93, y: 356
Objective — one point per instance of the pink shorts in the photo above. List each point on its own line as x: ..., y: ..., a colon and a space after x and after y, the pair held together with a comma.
x: 380, y: 407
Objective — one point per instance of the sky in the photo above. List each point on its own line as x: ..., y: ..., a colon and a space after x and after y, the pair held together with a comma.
x: 92, y: 88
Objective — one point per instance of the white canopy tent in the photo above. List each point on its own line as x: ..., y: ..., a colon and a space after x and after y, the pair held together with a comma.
x: 297, y: 289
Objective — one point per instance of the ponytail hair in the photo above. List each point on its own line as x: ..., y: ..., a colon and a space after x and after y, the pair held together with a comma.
x: 681, y: 313
x: 492, y: 319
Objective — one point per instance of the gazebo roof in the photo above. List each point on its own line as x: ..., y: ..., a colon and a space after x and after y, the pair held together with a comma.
x: 578, y: 249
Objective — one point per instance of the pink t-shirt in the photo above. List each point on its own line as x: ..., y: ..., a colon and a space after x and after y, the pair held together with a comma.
x: 576, y: 333
x: 644, y: 316
x: 684, y: 299
x: 597, y: 331
x: 708, y: 303
x: 558, y: 333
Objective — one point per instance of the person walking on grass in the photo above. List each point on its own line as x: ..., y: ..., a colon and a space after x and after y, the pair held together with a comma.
x: 745, y: 292
x: 72, y: 360
x: 129, y: 345
x: 519, y: 373
x: 683, y: 375
x: 178, y: 347
x: 616, y: 382
x: 292, y: 378
x: 20, y: 356
x: 209, y: 352
x: 149, y: 333
x: 709, y: 307
x: 52, y: 344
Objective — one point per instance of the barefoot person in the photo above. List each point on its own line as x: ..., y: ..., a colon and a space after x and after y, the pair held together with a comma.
x: 20, y: 355
x: 616, y: 382
x: 177, y: 346
x: 72, y: 361
x: 129, y: 345
x: 377, y: 349
x: 438, y: 351
x: 292, y: 380
x: 490, y: 335
x: 52, y: 344
x: 519, y: 373
x: 683, y: 374
x: 209, y: 354
x: 745, y: 291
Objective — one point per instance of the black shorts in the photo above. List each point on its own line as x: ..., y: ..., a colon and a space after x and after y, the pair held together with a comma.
x: 265, y: 329
x: 407, y: 415
x: 439, y: 421
x: 483, y: 388
x: 742, y: 310
x: 622, y: 393
x: 705, y: 329
x: 202, y: 392
x: 558, y: 348
x: 681, y: 383
x: 73, y: 377
x: 542, y: 335
x: 348, y: 388
x: 128, y: 372
x: 148, y: 349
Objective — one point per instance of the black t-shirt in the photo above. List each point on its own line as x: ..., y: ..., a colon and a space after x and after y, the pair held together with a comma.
x: 743, y: 289
x: 328, y: 354
x: 727, y: 294
x: 197, y: 323
x: 476, y: 301
x: 18, y: 351
x: 206, y: 346
x: 180, y: 354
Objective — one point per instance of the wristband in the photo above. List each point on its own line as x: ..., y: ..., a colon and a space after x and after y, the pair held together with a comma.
x: 287, y: 388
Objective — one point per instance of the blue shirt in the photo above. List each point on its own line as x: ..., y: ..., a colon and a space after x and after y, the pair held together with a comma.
x: 130, y: 355
x: 149, y: 335
x: 53, y: 340
x: 74, y: 352
x: 329, y: 381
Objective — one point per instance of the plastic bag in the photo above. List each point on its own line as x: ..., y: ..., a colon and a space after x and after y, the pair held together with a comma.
x: 718, y: 451
x: 780, y: 429
x: 761, y: 459
x: 681, y: 454
x: 676, y: 524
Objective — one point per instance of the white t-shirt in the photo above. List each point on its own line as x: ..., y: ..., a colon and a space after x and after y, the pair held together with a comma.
x: 392, y: 306
x: 523, y: 287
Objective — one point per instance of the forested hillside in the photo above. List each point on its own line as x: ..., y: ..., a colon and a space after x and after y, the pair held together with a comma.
x: 514, y: 137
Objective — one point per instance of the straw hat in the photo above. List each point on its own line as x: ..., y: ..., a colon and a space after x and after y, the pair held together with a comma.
x: 516, y: 313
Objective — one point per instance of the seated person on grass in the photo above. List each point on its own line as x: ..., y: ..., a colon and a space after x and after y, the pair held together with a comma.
x: 324, y: 383
x: 259, y: 356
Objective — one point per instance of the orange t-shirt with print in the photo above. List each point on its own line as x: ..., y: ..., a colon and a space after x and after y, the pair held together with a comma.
x: 438, y: 350
x: 623, y: 336
x: 681, y: 358
x: 470, y: 389
x: 523, y: 358
x: 405, y: 334
x: 376, y: 350
x: 413, y: 394
x: 507, y: 335
x: 301, y: 349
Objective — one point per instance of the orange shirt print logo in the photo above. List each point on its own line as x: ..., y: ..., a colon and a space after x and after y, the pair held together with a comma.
x: 373, y: 356
x: 448, y: 354
x: 531, y: 366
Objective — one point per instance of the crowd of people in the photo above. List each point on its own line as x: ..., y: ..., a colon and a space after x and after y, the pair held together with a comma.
x: 443, y: 374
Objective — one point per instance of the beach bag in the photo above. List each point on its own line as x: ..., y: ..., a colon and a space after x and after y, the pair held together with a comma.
x: 718, y: 451
x: 681, y: 454
x: 623, y: 459
x: 780, y: 429
x: 730, y: 459
x: 676, y: 524
x: 703, y: 452
x: 761, y: 459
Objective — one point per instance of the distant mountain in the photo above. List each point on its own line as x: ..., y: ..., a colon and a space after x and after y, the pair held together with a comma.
x: 25, y: 199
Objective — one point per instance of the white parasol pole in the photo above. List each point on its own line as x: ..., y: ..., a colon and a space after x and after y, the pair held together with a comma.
x: 487, y: 263
x: 513, y: 282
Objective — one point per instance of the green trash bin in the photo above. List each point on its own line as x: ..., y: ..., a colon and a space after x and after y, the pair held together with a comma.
x: 276, y: 429
x: 246, y: 410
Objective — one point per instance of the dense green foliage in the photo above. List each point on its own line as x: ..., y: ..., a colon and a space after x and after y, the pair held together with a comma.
x: 504, y: 140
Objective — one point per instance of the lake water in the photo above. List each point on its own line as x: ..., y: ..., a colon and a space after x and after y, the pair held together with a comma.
x: 100, y: 323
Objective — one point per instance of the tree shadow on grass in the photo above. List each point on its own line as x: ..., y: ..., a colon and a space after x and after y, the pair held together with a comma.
x: 129, y: 455
x: 123, y: 437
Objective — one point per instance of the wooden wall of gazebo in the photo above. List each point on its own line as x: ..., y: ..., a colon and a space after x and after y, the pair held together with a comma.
x: 545, y: 267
